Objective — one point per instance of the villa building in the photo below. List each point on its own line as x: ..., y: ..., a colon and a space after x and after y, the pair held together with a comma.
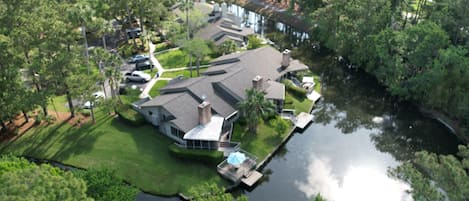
x: 198, y: 113
x: 226, y: 28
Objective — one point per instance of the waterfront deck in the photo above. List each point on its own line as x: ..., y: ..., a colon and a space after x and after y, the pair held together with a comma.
x: 245, y: 171
x: 314, y: 96
x: 303, y: 119
x: 252, y: 178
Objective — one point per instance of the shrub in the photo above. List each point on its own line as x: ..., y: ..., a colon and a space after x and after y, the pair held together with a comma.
x: 104, y: 184
x: 211, y: 156
x: 155, y: 39
x: 49, y: 119
x: 86, y: 113
x: 280, y: 125
x: 254, y: 42
x: 294, y: 90
x: 130, y: 116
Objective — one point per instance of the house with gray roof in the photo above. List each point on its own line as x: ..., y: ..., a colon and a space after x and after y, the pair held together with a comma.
x: 223, y: 29
x: 199, y: 112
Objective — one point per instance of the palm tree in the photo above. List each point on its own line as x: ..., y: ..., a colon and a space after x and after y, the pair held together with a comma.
x: 197, y: 48
x: 255, y: 107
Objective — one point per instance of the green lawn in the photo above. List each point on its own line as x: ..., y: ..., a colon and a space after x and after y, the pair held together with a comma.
x: 155, y: 90
x: 185, y: 73
x: 259, y: 144
x: 60, y: 103
x: 139, y: 154
x: 177, y: 59
x: 161, y: 46
x: 302, y: 104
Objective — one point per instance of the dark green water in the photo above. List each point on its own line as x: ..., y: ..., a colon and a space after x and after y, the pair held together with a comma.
x: 359, y: 132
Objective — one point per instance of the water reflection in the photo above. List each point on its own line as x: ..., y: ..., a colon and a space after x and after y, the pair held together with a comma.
x: 365, y: 183
x: 359, y: 132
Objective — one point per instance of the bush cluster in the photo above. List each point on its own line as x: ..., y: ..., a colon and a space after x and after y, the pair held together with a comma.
x: 130, y: 116
x: 211, y: 156
x: 294, y: 90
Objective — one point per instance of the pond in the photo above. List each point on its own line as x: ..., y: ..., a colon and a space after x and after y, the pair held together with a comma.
x: 359, y: 132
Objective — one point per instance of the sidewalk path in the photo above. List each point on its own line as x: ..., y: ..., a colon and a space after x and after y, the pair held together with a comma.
x: 158, y: 66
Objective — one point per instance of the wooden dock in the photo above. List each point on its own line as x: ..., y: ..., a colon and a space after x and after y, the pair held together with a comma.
x: 303, y: 119
x: 314, y: 96
x: 251, y: 178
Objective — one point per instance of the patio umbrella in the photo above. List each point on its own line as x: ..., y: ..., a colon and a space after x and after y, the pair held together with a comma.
x: 236, y: 158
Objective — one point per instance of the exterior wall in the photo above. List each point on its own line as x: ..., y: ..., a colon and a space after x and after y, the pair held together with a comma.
x: 278, y: 104
x: 165, y: 128
x: 151, y: 114
x: 156, y: 119
x: 201, y: 144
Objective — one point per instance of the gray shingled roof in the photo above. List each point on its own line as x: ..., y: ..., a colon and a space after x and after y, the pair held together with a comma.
x: 181, y: 105
x: 265, y: 61
x: 181, y: 97
x: 160, y: 100
x: 275, y: 90
x: 219, y: 28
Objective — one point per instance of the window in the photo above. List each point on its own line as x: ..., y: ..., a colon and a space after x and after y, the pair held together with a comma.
x: 150, y: 113
x: 174, y: 131
x: 177, y: 133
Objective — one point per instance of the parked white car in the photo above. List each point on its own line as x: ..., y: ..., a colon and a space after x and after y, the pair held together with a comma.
x: 137, y: 76
x: 97, y: 96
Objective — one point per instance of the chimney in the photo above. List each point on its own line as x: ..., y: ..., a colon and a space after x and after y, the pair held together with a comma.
x: 286, y: 58
x: 205, y: 112
x: 257, y: 83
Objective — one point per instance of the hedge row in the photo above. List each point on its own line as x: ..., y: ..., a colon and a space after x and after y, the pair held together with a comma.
x: 294, y: 90
x: 211, y: 156
x: 130, y: 116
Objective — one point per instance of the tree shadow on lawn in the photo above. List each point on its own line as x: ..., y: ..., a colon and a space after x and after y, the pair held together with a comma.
x: 81, y: 140
x: 66, y: 141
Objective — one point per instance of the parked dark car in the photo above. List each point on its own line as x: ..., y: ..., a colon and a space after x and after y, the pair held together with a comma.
x: 144, y: 65
x: 134, y: 33
x: 139, y: 58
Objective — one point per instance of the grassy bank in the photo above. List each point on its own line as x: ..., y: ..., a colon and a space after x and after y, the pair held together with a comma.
x: 139, y: 154
x: 177, y: 59
x: 155, y: 90
x: 261, y: 143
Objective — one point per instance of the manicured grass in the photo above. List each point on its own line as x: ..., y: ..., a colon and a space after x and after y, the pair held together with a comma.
x: 173, y: 59
x: 60, y: 103
x: 138, y: 154
x: 317, y: 86
x: 177, y: 59
x: 155, y: 90
x: 185, y: 73
x: 161, y: 46
x: 261, y: 143
x: 130, y: 96
x: 300, y: 104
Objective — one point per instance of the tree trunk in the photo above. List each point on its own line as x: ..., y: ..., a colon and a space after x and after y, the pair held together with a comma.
x: 92, y: 114
x: 70, y: 103
x: 198, y: 66
x: 190, y: 64
x: 141, y: 37
x: 187, y: 20
x: 4, y: 126
x: 25, y: 114
x: 44, y: 110
x: 87, y: 54
x: 104, y: 42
